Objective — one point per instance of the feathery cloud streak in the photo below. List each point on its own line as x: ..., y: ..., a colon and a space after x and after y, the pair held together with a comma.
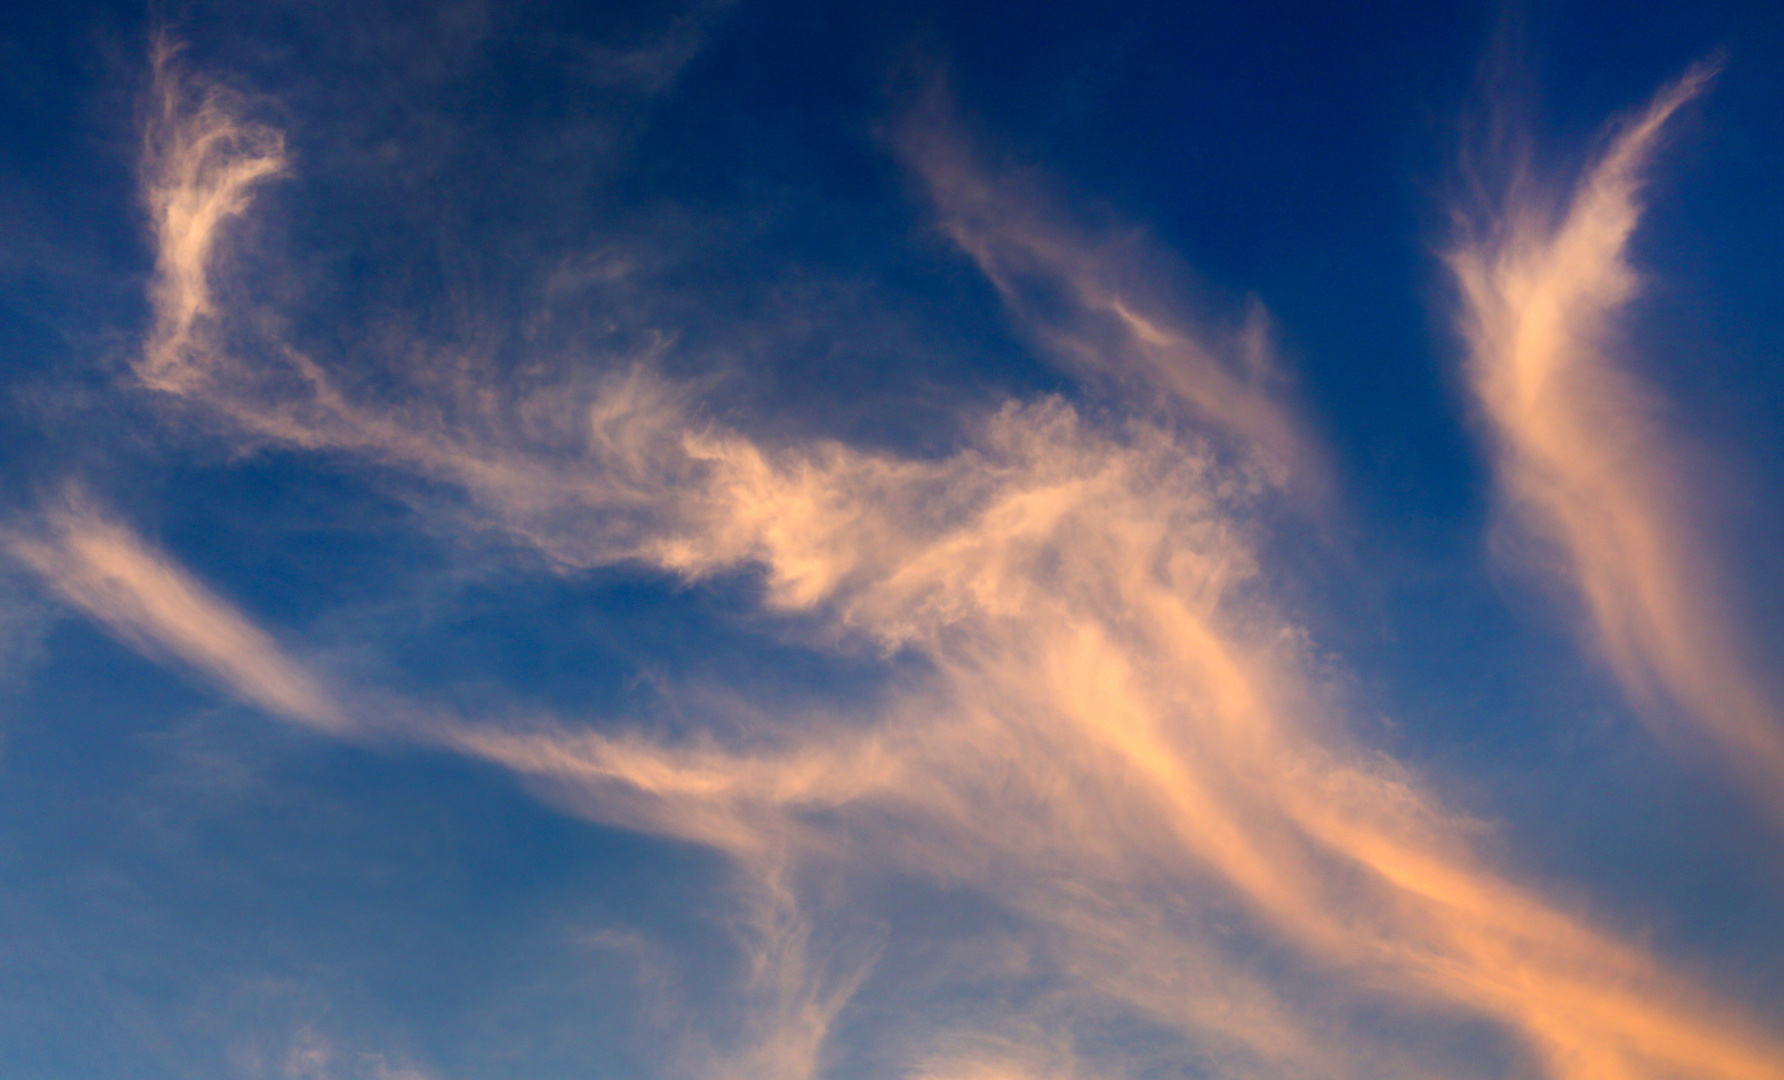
x: 1118, y: 744
x: 107, y: 571
x: 1583, y: 462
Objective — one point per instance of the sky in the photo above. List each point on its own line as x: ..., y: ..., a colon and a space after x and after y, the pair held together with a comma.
x: 763, y: 540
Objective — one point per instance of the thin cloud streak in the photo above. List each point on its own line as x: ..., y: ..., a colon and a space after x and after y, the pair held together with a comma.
x: 1585, y: 465
x: 1119, y: 744
x: 145, y: 599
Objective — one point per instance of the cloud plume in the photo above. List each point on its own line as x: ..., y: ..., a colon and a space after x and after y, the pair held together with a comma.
x: 1585, y: 465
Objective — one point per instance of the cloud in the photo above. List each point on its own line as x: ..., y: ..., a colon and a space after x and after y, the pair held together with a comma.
x: 1118, y: 747
x: 1585, y: 466
x: 652, y: 66
x: 108, y: 572
x: 1115, y: 729
x: 1107, y: 749
x: 201, y: 161
x: 1101, y: 305
x: 308, y: 1054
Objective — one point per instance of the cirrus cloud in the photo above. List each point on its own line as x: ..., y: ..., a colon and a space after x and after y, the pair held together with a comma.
x: 1117, y: 744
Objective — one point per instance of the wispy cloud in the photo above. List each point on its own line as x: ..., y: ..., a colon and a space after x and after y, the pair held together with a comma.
x: 308, y: 1054
x: 653, y: 65
x: 201, y: 161
x: 1117, y: 725
x: 1119, y: 746
x: 107, y: 571
x: 1101, y: 303
x: 1584, y: 463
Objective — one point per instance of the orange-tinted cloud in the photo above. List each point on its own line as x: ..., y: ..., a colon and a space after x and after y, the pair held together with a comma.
x: 1101, y: 304
x: 201, y: 162
x: 108, y: 572
x: 1585, y: 465
x: 1117, y: 746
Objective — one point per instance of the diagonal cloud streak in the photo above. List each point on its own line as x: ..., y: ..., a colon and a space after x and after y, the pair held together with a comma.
x: 149, y: 602
x: 1119, y: 745
x: 1585, y: 465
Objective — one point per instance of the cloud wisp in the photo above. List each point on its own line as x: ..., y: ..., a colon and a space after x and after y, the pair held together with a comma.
x: 107, y: 571
x: 1118, y: 746
x: 201, y: 162
x: 1093, y: 302
x: 1585, y: 465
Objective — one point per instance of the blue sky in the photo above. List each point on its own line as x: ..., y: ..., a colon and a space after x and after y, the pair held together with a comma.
x: 950, y: 542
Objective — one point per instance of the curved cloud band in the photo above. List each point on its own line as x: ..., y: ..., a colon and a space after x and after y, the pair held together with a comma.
x: 1584, y: 464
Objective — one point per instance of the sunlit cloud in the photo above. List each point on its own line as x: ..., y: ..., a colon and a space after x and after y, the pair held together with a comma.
x: 1584, y: 463
x: 137, y: 593
x: 201, y: 162
x: 1102, y: 305
x: 1116, y: 742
